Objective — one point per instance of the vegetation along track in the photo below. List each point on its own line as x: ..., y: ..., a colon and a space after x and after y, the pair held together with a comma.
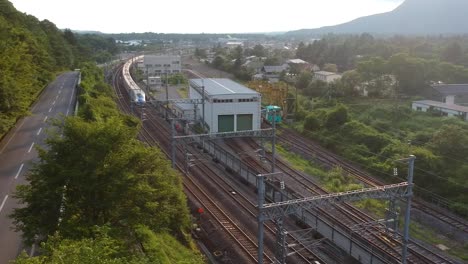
x: 344, y: 215
x: 310, y: 149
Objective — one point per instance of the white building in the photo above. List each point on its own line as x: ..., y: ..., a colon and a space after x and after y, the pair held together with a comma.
x: 443, y: 108
x: 157, y: 65
x: 327, y: 77
x: 155, y: 81
x: 229, y: 106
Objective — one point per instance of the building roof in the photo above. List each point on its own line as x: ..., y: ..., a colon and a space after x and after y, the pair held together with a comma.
x: 443, y: 105
x: 253, y: 64
x: 325, y: 73
x: 451, y: 89
x: 221, y: 86
x: 160, y: 58
x: 279, y: 68
x: 297, y: 61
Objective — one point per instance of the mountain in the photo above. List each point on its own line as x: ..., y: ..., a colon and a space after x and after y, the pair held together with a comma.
x: 412, y: 17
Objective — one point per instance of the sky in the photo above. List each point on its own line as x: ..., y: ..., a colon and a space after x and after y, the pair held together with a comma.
x: 200, y: 16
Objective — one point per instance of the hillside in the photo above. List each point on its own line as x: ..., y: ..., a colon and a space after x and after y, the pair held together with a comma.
x: 419, y: 17
x: 31, y: 52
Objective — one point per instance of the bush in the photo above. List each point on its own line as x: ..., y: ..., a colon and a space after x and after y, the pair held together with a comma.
x: 312, y: 122
x: 337, y: 117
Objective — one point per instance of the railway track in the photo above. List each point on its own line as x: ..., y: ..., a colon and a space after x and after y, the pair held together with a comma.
x: 310, y: 149
x: 149, y: 136
x: 344, y: 214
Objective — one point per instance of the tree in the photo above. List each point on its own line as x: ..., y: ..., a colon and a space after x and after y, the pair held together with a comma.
x: 272, y: 61
x: 330, y: 67
x: 201, y: 53
x: 450, y: 141
x: 316, y: 88
x: 453, y: 53
x: 349, y: 83
x: 259, y: 51
x: 304, y: 80
x: 337, y: 117
x: 312, y: 122
x: 99, y: 161
x: 372, y: 68
x: 218, y: 62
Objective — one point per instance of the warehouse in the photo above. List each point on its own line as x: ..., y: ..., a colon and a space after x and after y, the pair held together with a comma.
x: 229, y: 106
x: 157, y: 65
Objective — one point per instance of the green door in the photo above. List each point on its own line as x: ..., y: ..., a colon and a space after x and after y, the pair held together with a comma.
x: 225, y: 123
x: 244, y: 122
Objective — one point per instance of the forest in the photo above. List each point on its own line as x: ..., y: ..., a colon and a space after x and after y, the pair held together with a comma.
x: 32, y: 53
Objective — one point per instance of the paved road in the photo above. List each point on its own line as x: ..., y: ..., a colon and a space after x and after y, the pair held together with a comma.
x: 17, y: 152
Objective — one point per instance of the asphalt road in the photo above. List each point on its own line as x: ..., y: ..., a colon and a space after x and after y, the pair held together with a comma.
x: 17, y: 151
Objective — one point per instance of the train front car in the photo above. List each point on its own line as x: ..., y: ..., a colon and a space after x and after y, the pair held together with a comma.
x: 140, y: 97
x: 268, y: 114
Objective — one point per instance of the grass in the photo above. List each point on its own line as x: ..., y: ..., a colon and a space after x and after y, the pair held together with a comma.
x: 428, y: 235
x: 183, y: 92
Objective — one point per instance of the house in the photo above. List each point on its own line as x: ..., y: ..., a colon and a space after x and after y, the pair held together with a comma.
x: 450, y: 93
x: 254, y: 65
x: 157, y: 65
x: 298, y: 65
x: 327, y: 77
x: 444, y: 108
x: 273, y: 73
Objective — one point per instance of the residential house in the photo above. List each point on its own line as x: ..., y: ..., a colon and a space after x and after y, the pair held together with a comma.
x: 450, y: 93
x: 327, y: 77
x: 272, y: 73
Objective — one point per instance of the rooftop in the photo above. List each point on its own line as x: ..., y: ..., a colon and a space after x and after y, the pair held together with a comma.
x: 156, y: 58
x: 271, y: 68
x: 459, y: 108
x: 451, y: 89
x: 297, y: 61
x: 221, y: 87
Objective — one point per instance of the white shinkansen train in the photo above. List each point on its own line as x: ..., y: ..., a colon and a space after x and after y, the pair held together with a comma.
x: 137, y: 95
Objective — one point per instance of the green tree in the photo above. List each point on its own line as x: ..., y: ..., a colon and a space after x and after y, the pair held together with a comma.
x: 350, y: 81
x: 259, y: 51
x: 453, y: 53
x: 312, y: 122
x: 304, y: 80
x: 101, y: 173
x: 330, y: 67
x: 337, y: 117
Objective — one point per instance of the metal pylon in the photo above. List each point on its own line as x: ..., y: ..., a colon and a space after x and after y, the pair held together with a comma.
x: 280, y: 241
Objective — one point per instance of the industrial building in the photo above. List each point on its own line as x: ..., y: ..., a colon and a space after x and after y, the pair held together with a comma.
x: 229, y: 106
x: 444, y: 108
x: 157, y: 65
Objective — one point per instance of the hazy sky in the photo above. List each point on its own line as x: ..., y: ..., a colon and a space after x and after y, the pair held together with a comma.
x: 197, y: 16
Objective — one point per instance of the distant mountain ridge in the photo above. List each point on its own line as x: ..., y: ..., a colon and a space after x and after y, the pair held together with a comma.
x: 419, y: 17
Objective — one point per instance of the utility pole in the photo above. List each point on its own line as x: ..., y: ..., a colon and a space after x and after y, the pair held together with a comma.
x: 408, y: 208
x: 273, y: 143
x: 173, y: 146
x: 167, y: 95
x: 261, y: 201
x: 147, y: 77
x: 203, y: 104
